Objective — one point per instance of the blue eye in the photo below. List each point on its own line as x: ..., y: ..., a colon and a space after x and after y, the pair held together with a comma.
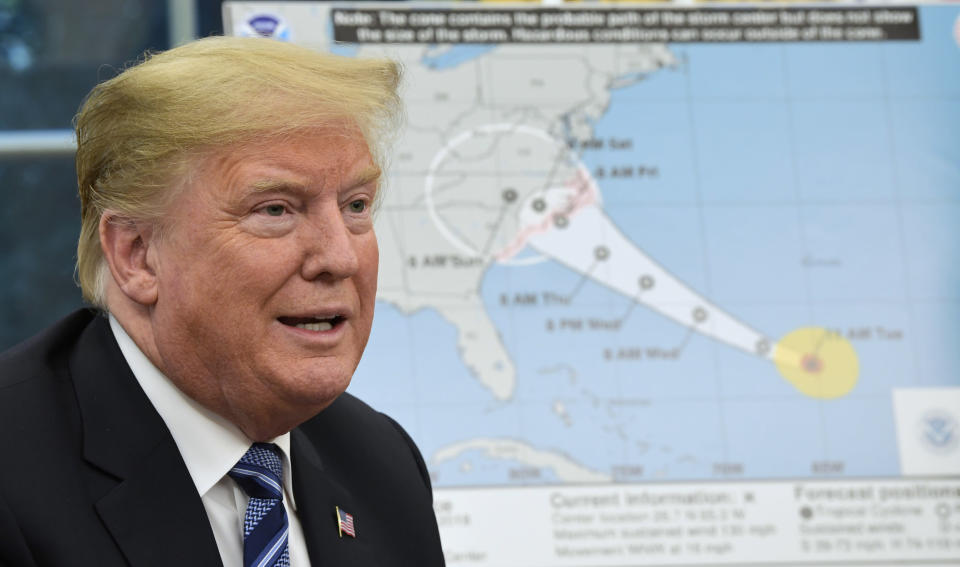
x: 358, y: 206
x: 275, y: 210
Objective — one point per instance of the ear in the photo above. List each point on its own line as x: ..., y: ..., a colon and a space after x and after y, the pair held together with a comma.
x: 127, y: 246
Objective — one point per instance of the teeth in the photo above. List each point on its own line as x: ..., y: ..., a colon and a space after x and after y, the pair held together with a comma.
x: 321, y: 326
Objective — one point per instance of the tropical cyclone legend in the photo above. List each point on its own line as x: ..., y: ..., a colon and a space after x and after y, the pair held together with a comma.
x: 698, y: 524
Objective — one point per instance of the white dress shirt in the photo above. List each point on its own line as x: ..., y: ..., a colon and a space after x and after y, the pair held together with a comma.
x: 210, y: 446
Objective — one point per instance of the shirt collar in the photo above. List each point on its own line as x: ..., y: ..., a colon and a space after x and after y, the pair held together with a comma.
x: 209, y: 444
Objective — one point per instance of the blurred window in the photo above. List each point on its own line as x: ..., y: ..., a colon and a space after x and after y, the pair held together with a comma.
x: 51, y: 53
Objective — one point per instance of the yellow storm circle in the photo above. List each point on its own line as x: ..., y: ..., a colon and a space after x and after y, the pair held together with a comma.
x: 818, y: 362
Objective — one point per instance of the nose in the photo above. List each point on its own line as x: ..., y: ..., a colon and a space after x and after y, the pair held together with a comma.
x: 330, y: 248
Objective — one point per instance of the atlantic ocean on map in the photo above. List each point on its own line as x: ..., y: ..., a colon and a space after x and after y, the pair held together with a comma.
x: 792, y: 190
x: 648, y: 262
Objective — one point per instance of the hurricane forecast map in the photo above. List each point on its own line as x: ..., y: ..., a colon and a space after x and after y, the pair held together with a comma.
x: 648, y: 273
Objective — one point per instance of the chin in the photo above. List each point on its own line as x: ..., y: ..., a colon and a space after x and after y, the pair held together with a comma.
x: 319, y: 387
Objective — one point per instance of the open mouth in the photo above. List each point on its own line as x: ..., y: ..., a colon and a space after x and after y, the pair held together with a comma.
x: 316, y: 324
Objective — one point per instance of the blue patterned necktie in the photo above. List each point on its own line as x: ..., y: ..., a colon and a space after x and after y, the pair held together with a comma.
x: 259, y: 473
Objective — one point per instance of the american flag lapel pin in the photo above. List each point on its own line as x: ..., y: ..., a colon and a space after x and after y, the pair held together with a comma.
x: 345, y: 523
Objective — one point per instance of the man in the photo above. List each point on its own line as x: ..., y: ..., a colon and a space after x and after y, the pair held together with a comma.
x: 199, y: 417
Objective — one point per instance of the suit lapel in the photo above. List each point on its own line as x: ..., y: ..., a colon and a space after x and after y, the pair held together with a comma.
x: 153, y: 511
x: 317, y: 496
x: 152, y: 520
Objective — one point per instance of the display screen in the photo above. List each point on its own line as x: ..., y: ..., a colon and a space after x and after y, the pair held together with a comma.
x: 669, y: 285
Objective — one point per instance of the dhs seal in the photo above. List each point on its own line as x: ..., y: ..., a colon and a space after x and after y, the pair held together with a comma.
x: 939, y: 431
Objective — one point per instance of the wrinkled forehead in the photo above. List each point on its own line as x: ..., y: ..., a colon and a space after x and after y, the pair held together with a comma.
x: 343, y: 139
x: 334, y: 158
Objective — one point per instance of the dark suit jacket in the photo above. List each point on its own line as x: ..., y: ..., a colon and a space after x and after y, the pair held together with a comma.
x: 90, y: 475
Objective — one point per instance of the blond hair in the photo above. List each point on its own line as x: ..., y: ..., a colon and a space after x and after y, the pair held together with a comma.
x: 137, y: 132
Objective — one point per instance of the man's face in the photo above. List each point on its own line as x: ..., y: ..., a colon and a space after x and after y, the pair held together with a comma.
x: 267, y: 275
